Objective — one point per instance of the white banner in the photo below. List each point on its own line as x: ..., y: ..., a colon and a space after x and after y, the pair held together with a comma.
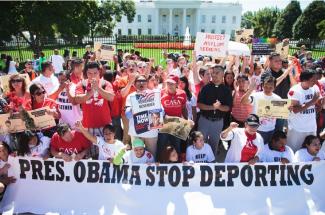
x: 214, y: 45
x: 97, y: 187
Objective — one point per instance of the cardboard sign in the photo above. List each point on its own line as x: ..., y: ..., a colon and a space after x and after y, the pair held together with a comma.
x: 4, y: 81
x: 273, y: 108
x: 104, y: 52
x: 177, y: 127
x: 244, y: 36
x: 282, y: 49
x: 214, y: 45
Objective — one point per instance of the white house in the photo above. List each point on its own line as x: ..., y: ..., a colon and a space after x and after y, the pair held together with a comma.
x: 156, y: 17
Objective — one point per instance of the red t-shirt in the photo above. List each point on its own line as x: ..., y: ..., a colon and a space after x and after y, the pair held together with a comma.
x: 173, y: 103
x: 47, y: 103
x: 77, y: 145
x: 96, y: 112
x: 116, y: 104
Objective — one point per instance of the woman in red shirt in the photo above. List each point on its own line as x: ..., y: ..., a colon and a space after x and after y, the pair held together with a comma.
x: 18, y: 96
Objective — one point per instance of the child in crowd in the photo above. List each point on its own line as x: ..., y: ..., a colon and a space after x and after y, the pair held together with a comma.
x: 108, y: 145
x: 277, y: 150
x: 169, y: 155
x: 137, y: 155
x: 310, y: 150
x: 4, y: 166
x: 34, y: 144
x: 199, y: 152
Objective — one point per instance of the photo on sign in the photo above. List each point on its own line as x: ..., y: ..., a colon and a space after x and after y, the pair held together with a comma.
x: 41, y: 118
x: 177, y: 127
x: 11, y: 123
x: 156, y: 119
x: 283, y: 50
x: 141, y: 122
x: 274, y: 108
x: 244, y: 36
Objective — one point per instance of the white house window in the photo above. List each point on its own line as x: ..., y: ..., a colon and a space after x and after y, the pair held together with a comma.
x: 203, y: 19
x: 139, y: 31
x: 119, y: 31
x: 149, y: 31
x: 164, y: 18
x: 139, y: 18
x: 129, y: 31
x: 176, y: 18
x: 188, y: 18
x: 213, y: 19
x: 149, y: 18
x: 234, y: 20
x: 223, y: 19
x: 202, y: 30
x: 223, y: 31
x: 232, y: 33
x: 213, y: 31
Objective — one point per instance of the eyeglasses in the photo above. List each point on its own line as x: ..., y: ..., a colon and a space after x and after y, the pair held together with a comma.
x: 141, y: 81
x: 40, y: 93
x: 16, y: 81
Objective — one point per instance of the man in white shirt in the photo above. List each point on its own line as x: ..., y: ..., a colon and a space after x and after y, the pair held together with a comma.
x: 302, y: 117
x: 57, y: 62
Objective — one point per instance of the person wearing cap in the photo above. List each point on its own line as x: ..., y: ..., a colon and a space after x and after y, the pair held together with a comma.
x: 29, y: 70
x: 267, y: 126
x: 149, y: 137
x: 138, y: 154
x: 214, y: 101
x: 57, y: 62
x: 302, y: 116
x: 246, y: 143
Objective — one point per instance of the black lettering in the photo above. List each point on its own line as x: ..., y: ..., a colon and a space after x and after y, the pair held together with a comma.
x: 93, y: 172
x: 59, y: 169
x: 151, y: 178
x: 233, y: 172
x: 260, y: 172
x: 135, y: 175
x: 105, y: 172
x: 79, y: 171
x: 48, y: 167
x: 161, y: 170
x: 293, y: 174
x: 273, y: 169
x: 310, y: 179
x: 37, y: 169
x: 24, y: 167
x: 119, y: 171
x: 246, y: 170
x: 174, y: 170
x: 188, y: 172
x: 206, y: 176
x: 282, y: 175
x: 218, y: 169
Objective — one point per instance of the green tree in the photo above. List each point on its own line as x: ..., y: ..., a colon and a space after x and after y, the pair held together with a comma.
x: 306, y: 25
x: 283, y: 26
x: 247, y: 20
x: 264, y: 21
x: 321, y: 28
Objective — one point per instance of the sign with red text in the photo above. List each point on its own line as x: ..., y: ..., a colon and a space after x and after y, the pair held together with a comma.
x: 214, y: 45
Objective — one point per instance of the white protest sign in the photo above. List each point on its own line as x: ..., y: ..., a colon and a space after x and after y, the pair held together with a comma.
x: 98, y: 187
x: 214, y: 45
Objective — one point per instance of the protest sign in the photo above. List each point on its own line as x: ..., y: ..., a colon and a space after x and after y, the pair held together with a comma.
x: 282, y: 49
x: 4, y: 81
x: 263, y: 46
x: 56, y: 186
x: 104, y: 52
x: 147, y: 111
x: 214, y: 45
x: 11, y: 123
x: 244, y: 36
x: 42, y: 119
x: 273, y: 108
x: 177, y: 127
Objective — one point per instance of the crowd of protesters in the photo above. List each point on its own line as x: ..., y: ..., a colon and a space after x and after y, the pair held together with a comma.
x: 90, y: 102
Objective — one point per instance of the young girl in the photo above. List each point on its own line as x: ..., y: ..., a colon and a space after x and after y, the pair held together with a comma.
x: 138, y: 154
x: 108, y: 145
x: 169, y: 155
x: 4, y: 166
x: 199, y: 152
x: 310, y: 150
x: 183, y: 84
x: 34, y: 144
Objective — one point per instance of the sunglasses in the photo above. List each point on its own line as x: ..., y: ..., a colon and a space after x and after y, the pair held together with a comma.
x: 254, y: 126
x: 16, y: 81
x: 40, y: 93
x: 141, y: 81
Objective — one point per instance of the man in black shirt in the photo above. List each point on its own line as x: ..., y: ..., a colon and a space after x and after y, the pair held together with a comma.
x: 214, y: 101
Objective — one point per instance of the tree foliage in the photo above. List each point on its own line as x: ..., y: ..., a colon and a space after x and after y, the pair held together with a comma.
x: 321, y: 28
x: 247, y: 20
x: 264, y: 21
x: 306, y: 25
x: 283, y: 26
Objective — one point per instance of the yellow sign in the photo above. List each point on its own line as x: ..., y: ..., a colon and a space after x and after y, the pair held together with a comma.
x: 273, y: 108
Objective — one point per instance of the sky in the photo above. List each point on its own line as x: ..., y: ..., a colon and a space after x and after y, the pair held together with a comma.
x: 254, y: 5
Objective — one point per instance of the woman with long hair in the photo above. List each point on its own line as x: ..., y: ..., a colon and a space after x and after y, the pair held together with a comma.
x: 18, y: 96
x: 183, y: 84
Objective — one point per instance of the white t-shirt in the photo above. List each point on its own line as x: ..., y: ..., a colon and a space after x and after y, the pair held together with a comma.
x: 303, y: 121
x: 302, y: 155
x: 57, y: 62
x: 266, y: 123
x: 50, y: 84
x: 203, y: 155
x: 130, y: 158
x: 70, y: 113
x: 149, y: 134
x: 12, y: 68
x: 189, y: 105
x: 176, y: 72
x: 42, y: 148
x: 238, y: 142
x: 268, y: 155
x: 108, y: 151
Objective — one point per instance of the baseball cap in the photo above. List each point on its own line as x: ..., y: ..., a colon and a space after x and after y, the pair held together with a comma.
x: 172, y: 79
x: 253, y: 120
x: 138, y: 143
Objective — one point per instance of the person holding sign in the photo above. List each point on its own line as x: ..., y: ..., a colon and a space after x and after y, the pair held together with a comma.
x: 139, y: 122
x: 267, y: 124
x: 246, y: 143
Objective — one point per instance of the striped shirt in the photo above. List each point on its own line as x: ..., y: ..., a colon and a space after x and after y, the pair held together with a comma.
x: 240, y: 111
